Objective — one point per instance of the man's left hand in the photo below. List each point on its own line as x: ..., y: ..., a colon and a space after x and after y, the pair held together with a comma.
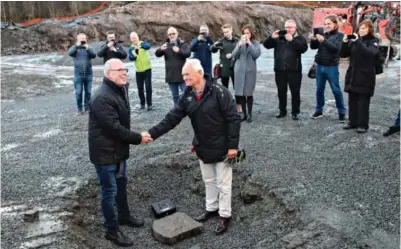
x: 86, y: 46
x: 288, y: 37
x: 176, y: 49
x: 232, y: 153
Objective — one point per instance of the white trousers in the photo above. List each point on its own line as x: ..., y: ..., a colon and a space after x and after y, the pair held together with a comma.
x: 218, y: 180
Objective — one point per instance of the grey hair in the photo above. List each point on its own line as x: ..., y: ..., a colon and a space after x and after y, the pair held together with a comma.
x: 290, y: 21
x: 133, y: 33
x: 195, y: 64
x: 107, y: 65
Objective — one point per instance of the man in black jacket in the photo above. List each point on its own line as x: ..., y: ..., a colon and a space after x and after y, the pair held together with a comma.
x: 216, y: 125
x: 109, y: 137
x: 111, y: 49
x: 175, y: 52
x: 288, y: 48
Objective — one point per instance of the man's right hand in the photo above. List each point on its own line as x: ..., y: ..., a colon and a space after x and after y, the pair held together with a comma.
x: 110, y: 44
x: 146, y: 138
x: 275, y: 34
x: 164, y: 46
x: 78, y: 43
x: 228, y: 56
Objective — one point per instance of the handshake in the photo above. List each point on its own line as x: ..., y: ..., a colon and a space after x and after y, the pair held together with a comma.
x: 146, y: 137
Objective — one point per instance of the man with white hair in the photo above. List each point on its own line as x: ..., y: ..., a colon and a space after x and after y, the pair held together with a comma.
x: 83, y: 74
x: 216, y: 125
x: 138, y: 52
x: 288, y: 48
x: 109, y: 137
x: 175, y: 52
x: 200, y: 46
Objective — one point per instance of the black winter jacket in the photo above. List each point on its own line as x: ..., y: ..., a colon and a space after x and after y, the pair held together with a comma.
x: 327, y: 53
x: 109, y: 133
x: 174, y: 61
x: 214, y: 118
x: 107, y: 54
x: 287, y: 55
x: 361, y: 73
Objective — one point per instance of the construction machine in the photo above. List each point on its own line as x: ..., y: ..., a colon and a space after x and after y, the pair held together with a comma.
x: 384, y: 15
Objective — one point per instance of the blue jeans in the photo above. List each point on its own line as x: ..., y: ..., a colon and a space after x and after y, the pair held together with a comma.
x: 174, y: 88
x: 144, y: 79
x: 113, y: 186
x: 83, y: 82
x: 331, y: 74
x: 397, y: 120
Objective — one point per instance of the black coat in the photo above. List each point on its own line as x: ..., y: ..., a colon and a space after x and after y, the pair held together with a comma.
x: 109, y: 133
x: 214, y: 118
x: 287, y: 55
x: 107, y: 54
x: 226, y: 47
x: 327, y: 53
x: 174, y: 61
x: 361, y: 74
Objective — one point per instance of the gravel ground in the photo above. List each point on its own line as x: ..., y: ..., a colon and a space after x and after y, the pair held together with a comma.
x: 337, y: 189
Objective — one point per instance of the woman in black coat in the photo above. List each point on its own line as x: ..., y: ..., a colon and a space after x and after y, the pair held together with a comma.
x: 360, y: 79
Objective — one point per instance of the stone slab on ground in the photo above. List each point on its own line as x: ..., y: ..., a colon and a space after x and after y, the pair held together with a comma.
x: 176, y: 227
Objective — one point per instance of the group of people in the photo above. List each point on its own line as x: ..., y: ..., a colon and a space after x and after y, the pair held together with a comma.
x: 215, y: 114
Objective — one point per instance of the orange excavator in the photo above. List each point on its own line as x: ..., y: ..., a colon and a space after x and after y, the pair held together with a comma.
x: 384, y: 15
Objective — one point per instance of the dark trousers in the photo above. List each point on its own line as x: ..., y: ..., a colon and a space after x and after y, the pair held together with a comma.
x: 293, y: 80
x: 358, y: 113
x: 226, y: 80
x: 397, y: 120
x: 245, y: 101
x: 144, y: 79
x: 113, y: 183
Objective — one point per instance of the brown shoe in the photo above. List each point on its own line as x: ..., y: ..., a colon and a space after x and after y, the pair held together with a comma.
x: 222, y: 226
x: 207, y: 215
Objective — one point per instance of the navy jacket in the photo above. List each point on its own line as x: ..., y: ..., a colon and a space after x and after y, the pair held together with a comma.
x: 202, y: 53
x: 82, y: 59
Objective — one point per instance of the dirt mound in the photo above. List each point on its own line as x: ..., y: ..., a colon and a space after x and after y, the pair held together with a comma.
x: 151, y: 20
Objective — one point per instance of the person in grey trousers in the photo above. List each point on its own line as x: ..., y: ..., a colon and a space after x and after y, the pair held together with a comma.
x: 244, y: 55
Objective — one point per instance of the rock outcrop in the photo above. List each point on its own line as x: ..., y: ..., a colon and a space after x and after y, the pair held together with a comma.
x: 151, y: 20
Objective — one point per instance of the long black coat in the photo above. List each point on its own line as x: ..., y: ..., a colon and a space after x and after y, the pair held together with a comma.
x: 214, y: 118
x: 174, y: 61
x: 109, y: 133
x: 361, y: 74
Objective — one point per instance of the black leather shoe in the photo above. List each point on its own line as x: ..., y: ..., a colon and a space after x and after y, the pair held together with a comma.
x: 118, y: 238
x: 222, y: 226
x: 207, y: 215
x: 295, y: 117
x: 391, y: 131
x: 131, y: 221
x: 349, y: 127
x: 249, y: 120
x: 281, y: 115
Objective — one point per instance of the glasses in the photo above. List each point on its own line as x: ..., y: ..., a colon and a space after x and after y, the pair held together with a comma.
x: 171, y: 34
x: 120, y: 70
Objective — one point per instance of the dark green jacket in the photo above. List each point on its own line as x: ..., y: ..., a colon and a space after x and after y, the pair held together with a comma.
x: 226, y: 47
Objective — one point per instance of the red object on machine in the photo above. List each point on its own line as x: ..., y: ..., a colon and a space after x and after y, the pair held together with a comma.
x: 66, y: 18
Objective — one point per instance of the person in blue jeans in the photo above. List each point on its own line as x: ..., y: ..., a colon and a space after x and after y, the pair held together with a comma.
x: 395, y: 128
x: 109, y: 139
x: 83, y: 74
x: 327, y: 59
x: 175, y: 52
